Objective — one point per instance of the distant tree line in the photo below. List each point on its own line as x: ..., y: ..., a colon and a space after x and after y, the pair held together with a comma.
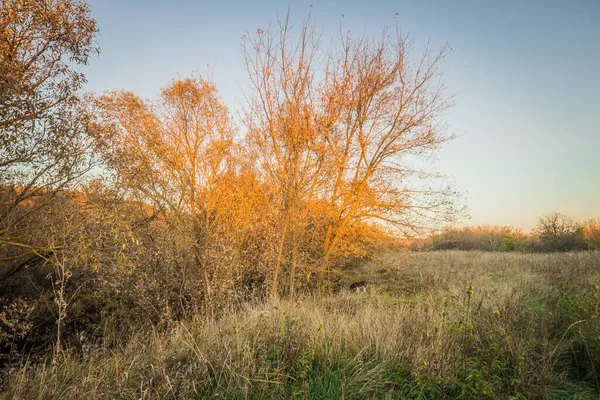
x: 554, y: 232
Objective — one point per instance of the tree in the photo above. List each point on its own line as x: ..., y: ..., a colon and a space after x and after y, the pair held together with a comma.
x: 44, y: 127
x: 591, y: 233
x: 381, y: 108
x: 332, y: 129
x: 559, y: 232
x: 41, y: 45
x: 283, y: 132
x: 172, y: 153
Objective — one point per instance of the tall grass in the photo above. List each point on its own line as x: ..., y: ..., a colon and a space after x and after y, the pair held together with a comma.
x: 434, y: 325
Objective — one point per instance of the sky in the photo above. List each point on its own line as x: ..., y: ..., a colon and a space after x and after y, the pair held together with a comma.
x: 525, y: 75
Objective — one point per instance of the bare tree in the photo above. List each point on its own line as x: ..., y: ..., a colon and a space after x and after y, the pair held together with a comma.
x: 283, y: 132
x: 380, y: 109
x: 559, y: 232
x: 335, y: 127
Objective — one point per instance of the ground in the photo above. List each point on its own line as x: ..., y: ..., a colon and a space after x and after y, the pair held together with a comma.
x: 432, y: 325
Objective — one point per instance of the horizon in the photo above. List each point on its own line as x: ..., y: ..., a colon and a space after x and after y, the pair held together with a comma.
x: 524, y: 117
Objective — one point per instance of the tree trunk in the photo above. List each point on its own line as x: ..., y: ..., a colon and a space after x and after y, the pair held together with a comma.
x: 293, y: 267
x: 274, y: 286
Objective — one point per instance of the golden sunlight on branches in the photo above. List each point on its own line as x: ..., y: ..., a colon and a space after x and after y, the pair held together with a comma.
x: 299, y: 247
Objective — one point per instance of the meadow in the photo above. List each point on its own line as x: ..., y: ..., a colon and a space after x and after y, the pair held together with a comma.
x: 183, y: 246
x: 446, y: 324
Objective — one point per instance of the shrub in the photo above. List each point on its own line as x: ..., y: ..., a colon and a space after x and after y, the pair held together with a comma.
x: 591, y: 233
x: 582, y: 312
x: 486, y: 238
x: 558, y: 232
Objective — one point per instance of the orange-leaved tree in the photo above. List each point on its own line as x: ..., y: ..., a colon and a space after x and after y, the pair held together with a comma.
x: 381, y: 110
x: 340, y: 129
x: 172, y: 152
x: 591, y: 233
x: 284, y: 135
x: 45, y: 140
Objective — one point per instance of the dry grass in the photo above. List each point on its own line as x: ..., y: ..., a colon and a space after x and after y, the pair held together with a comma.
x: 453, y: 324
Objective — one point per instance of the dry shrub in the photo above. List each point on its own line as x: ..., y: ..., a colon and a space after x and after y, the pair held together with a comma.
x: 487, y: 238
x: 591, y: 233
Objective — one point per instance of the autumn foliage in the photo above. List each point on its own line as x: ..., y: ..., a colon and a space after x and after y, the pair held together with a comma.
x: 176, y: 247
x: 111, y: 204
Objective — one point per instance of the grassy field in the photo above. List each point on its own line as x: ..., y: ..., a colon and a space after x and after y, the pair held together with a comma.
x: 432, y: 325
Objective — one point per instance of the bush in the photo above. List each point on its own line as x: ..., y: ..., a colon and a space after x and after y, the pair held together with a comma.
x: 554, y: 233
x: 486, y: 238
x: 558, y: 232
x: 591, y: 233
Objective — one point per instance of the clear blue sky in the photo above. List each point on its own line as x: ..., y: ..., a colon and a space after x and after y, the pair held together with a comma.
x: 526, y: 74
